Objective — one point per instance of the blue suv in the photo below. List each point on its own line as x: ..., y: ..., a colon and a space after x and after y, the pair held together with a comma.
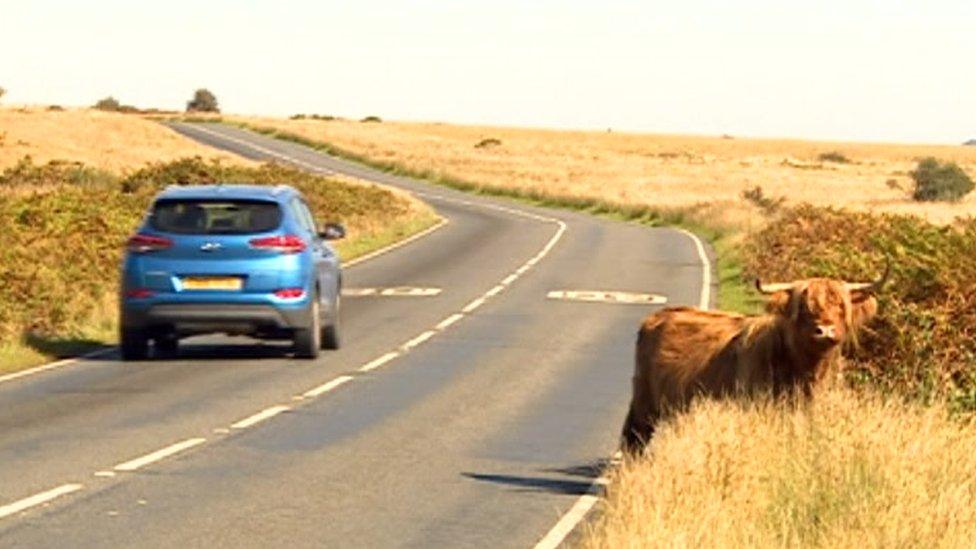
x: 235, y: 259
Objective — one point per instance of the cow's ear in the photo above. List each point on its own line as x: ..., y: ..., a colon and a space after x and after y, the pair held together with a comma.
x: 863, y: 307
x: 779, y: 303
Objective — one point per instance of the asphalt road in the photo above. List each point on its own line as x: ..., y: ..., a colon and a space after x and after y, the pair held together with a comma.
x: 482, y: 422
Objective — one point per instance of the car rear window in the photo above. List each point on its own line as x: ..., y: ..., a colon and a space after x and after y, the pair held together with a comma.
x: 215, y: 216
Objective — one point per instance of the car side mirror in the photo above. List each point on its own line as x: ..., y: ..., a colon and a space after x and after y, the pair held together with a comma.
x: 332, y: 231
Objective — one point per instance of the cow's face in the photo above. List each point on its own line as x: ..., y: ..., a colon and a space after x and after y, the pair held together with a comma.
x: 823, y: 312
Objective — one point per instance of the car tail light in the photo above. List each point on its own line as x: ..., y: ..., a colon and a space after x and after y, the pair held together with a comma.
x: 290, y: 293
x: 144, y: 243
x: 139, y: 293
x: 286, y: 244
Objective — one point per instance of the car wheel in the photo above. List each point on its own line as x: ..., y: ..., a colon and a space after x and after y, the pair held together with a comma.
x: 330, y: 333
x: 308, y: 340
x: 134, y: 344
x: 167, y: 345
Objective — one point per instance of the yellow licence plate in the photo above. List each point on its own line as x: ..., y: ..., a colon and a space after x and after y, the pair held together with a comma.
x: 212, y: 283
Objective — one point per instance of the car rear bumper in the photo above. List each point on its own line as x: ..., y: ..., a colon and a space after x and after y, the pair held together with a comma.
x: 205, y: 318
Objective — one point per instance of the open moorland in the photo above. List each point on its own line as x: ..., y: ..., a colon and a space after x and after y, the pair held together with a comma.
x: 868, y: 465
x: 98, y: 139
x: 73, y: 201
x: 659, y: 170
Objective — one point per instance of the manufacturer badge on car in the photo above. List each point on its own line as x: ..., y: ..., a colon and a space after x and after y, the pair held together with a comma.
x: 210, y: 247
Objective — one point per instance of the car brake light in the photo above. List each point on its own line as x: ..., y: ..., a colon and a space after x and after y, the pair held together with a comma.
x: 286, y: 244
x: 144, y: 243
x: 290, y: 293
x: 139, y: 293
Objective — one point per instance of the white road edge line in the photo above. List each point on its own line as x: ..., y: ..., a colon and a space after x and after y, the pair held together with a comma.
x: 164, y: 453
x: 326, y: 387
x: 706, y: 284
x: 53, y: 365
x: 38, y: 499
x: 254, y: 419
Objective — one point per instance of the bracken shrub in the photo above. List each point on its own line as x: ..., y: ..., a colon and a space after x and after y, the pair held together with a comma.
x: 63, y: 225
x: 923, y: 342
x: 938, y: 181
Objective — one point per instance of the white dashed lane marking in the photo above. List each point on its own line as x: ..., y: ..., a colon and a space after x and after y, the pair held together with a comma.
x: 38, y: 499
x: 164, y: 453
x: 252, y: 420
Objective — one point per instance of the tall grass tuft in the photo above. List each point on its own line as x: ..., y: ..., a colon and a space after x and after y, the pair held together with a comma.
x: 852, y: 470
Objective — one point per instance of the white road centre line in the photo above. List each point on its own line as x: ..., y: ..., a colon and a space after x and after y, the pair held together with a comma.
x: 473, y: 305
x: 105, y: 474
x: 509, y: 279
x: 254, y: 419
x: 158, y: 455
x: 418, y: 340
x: 495, y: 291
x: 326, y: 387
x: 38, y: 499
x: 443, y: 325
x: 377, y: 362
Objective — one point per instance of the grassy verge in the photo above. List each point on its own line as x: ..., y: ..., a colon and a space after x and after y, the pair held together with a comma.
x: 77, y: 218
x: 854, y: 471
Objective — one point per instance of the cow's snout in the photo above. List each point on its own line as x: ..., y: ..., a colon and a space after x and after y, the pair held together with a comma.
x: 825, y: 332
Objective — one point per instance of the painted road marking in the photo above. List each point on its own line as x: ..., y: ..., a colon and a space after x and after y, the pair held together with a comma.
x: 398, y: 291
x: 326, y: 387
x: 105, y: 474
x: 444, y: 324
x: 418, y: 340
x: 166, y: 452
x: 377, y: 362
x: 38, y: 499
x: 601, y: 296
x: 473, y: 305
x: 252, y: 420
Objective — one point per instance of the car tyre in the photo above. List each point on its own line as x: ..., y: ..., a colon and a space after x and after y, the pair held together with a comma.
x: 134, y: 344
x: 307, y: 341
x: 330, y: 333
x: 167, y: 346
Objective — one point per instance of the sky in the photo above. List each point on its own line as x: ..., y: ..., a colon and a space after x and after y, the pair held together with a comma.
x: 853, y: 70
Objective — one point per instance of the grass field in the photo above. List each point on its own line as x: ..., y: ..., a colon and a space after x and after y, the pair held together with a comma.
x: 98, y: 139
x: 659, y: 170
x: 853, y: 471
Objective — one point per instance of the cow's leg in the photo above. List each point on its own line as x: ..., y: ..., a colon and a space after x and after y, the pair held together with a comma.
x: 638, y: 429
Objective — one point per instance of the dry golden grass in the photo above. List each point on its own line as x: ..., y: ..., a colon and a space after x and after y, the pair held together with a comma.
x: 660, y: 170
x: 110, y: 141
x: 852, y: 471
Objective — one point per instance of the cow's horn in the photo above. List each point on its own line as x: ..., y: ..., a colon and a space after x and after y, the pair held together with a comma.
x: 772, y: 288
x: 871, y: 287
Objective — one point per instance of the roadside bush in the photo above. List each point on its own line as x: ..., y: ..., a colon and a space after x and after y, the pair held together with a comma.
x: 835, y: 157
x: 488, y: 143
x: 371, y: 119
x: 107, y: 104
x: 937, y: 181
x: 923, y: 342
x: 77, y: 219
x: 203, y: 101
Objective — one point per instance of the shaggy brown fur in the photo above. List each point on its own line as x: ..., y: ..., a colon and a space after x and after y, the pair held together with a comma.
x: 684, y: 352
